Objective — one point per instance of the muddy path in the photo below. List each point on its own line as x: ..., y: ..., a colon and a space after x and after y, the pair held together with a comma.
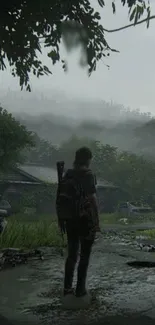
x: 32, y: 293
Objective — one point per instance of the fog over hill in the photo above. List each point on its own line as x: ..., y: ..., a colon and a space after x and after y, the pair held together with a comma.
x: 55, y: 117
x: 56, y: 102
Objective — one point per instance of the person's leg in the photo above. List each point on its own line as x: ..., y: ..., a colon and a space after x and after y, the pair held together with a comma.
x: 73, y: 248
x: 86, y: 246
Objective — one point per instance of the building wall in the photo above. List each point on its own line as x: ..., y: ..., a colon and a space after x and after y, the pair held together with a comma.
x: 44, y: 204
x: 14, y: 192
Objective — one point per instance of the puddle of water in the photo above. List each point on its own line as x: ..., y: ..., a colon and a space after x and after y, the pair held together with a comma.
x: 141, y: 264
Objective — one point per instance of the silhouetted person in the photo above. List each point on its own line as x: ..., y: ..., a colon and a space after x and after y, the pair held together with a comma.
x: 80, y: 221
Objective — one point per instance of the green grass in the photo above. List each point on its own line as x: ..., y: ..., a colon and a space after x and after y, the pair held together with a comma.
x: 150, y: 233
x: 32, y: 232
x: 110, y: 218
x: 23, y: 234
x: 116, y: 218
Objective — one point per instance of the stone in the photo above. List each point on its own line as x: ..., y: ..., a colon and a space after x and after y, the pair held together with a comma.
x: 75, y: 303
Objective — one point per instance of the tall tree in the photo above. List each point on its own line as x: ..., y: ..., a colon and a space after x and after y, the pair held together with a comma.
x: 14, y: 137
x: 26, y: 26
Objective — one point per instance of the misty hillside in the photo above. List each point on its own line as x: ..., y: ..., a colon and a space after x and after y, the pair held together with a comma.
x: 57, y: 129
x: 56, y: 118
x: 56, y: 102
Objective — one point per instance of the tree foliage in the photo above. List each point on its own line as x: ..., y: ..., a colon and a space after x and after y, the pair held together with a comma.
x: 13, y: 138
x: 42, y: 153
x: 146, y: 134
x: 26, y: 26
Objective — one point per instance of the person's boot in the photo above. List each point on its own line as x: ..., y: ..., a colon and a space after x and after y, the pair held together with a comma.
x: 83, y: 298
x: 81, y: 286
x: 81, y: 277
x: 69, y: 274
x: 81, y: 293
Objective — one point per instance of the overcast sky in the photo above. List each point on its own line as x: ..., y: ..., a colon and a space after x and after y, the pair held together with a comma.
x: 130, y: 79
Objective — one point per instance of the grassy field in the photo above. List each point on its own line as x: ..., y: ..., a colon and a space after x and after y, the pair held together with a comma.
x: 150, y: 233
x: 27, y: 232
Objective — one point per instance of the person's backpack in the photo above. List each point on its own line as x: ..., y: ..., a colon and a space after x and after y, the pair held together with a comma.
x: 67, y: 193
x: 71, y: 201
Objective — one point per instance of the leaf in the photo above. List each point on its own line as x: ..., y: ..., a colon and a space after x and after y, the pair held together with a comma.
x: 97, y: 15
x: 148, y: 16
x: 136, y: 17
x: 113, y: 7
x: 133, y: 14
x: 123, y: 2
x: 28, y: 88
x: 54, y: 56
x: 101, y: 3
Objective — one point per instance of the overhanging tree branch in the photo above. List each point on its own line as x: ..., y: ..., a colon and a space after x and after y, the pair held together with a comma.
x: 22, y: 27
x: 129, y: 25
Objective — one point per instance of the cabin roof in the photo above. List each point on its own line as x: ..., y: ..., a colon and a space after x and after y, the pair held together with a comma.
x: 18, y: 176
x: 41, y: 173
x: 30, y: 174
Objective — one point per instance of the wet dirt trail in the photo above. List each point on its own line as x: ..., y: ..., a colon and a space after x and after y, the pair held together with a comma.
x: 32, y: 293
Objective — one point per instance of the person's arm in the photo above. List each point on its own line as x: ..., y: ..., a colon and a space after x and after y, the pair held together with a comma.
x: 93, y: 198
x: 90, y: 190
